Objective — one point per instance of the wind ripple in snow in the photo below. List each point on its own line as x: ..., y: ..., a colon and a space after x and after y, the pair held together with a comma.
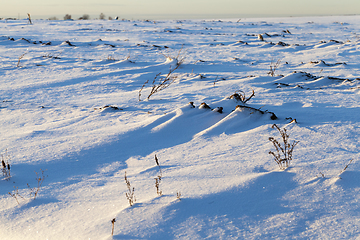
x: 205, y: 122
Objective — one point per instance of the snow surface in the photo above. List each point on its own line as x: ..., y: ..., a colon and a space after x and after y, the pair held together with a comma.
x: 70, y: 106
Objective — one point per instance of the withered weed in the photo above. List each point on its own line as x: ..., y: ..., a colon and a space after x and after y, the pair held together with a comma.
x: 283, y: 152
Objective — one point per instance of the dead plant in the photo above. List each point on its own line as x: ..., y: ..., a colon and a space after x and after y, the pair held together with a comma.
x: 160, y: 83
x: 322, y: 175
x: 158, y: 178
x: 29, y: 18
x: 347, y: 165
x: 21, y: 57
x: 178, y: 195
x: 35, y: 190
x: 157, y: 185
x: 113, y: 223
x: 240, y: 96
x: 283, y: 153
x: 5, y: 165
x: 273, y: 67
x: 130, y: 195
x: 111, y: 58
x: 179, y: 58
x: 15, y: 194
x: 52, y: 56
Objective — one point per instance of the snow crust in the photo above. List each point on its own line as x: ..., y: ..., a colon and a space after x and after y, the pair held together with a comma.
x: 69, y: 106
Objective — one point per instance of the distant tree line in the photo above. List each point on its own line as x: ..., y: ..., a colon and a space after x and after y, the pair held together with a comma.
x: 102, y: 16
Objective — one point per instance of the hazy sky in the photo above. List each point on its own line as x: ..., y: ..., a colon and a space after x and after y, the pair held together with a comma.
x: 158, y: 9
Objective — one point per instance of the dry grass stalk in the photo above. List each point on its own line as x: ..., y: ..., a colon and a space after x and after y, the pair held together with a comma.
x: 130, y: 195
x: 157, y: 163
x: 273, y: 67
x: 347, y: 165
x: 21, y: 57
x: 178, y: 195
x: 283, y: 153
x: 113, y: 223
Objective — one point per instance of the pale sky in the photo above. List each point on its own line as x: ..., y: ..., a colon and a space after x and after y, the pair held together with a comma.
x: 171, y: 9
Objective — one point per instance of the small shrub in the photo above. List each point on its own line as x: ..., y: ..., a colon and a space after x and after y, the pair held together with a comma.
x: 67, y: 17
x: 283, y: 153
x: 84, y: 17
x: 130, y: 195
